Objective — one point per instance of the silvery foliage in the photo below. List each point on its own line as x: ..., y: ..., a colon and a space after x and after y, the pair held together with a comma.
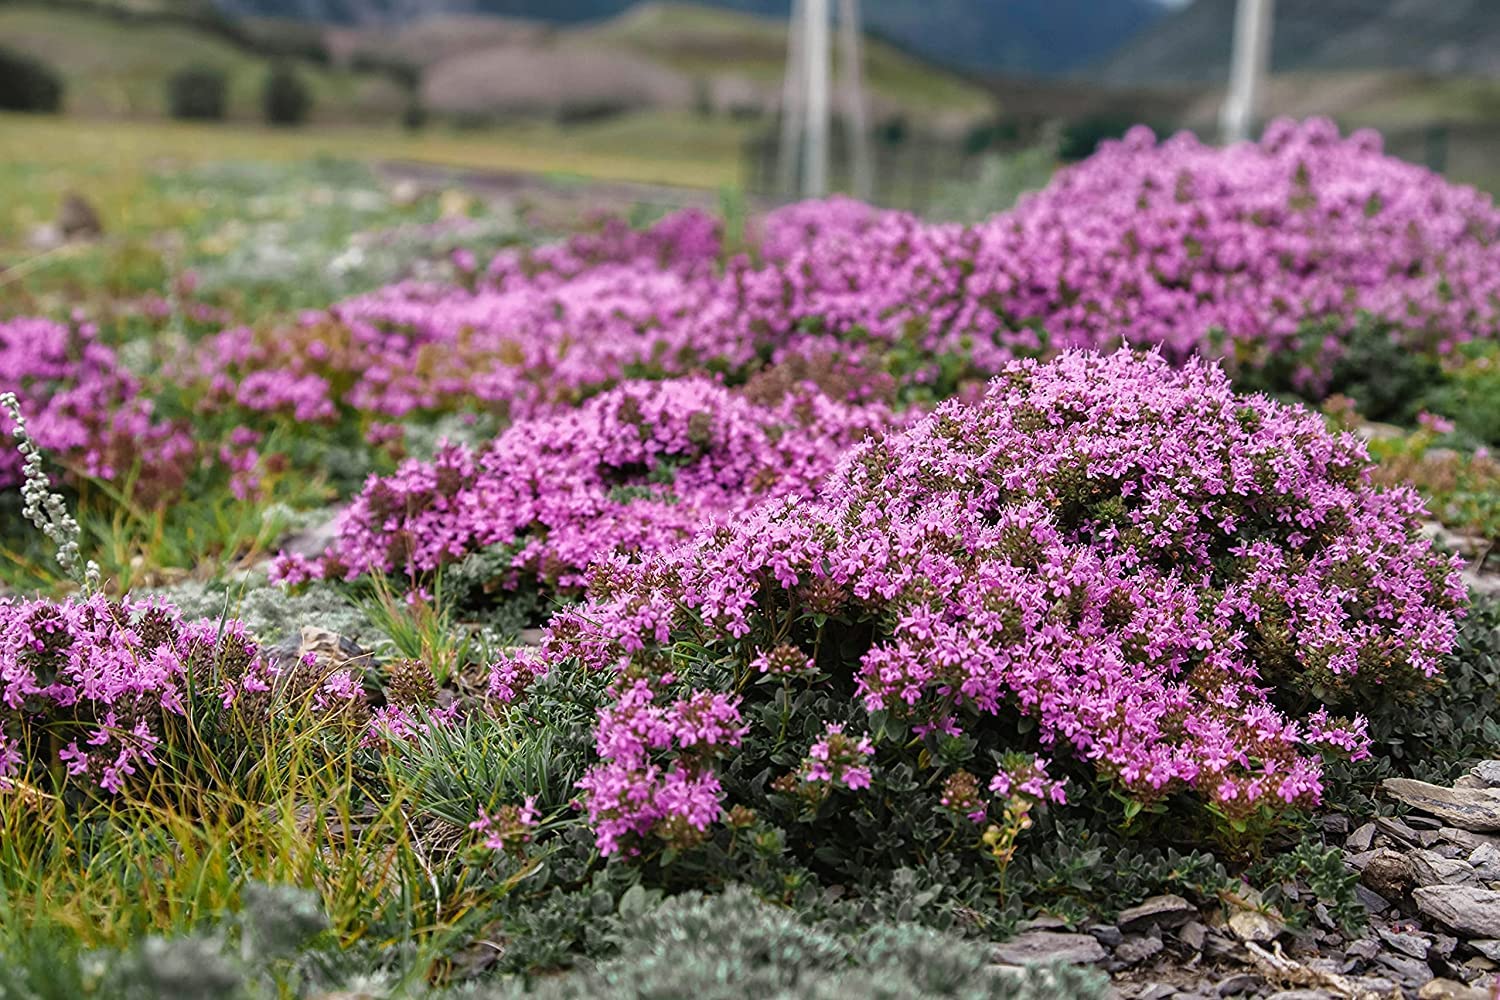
x: 46, y: 509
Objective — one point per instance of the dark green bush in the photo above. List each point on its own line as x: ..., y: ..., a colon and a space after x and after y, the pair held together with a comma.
x: 198, y: 93
x: 1082, y: 136
x: 28, y: 84
x: 285, y: 99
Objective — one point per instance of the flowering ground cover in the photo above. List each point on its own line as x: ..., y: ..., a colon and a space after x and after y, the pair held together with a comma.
x: 825, y: 600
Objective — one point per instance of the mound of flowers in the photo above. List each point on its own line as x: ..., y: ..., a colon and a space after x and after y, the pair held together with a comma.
x: 93, y: 684
x: 637, y: 469
x: 84, y: 408
x: 1107, y: 566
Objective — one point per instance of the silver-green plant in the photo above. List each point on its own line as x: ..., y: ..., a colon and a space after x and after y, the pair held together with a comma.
x: 46, y: 509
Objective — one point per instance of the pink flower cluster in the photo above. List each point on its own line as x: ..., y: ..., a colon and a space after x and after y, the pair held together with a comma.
x: 839, y: 760
x: 89, y: 683
x: 1152, y: 568
x: 83, y: 408
x: 636, y: 469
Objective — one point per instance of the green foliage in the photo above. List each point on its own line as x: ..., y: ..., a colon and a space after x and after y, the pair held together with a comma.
x: 198, y: 93
x: 28, y: 84
x: 1433, y: 735
x: 285, y: 98
x: 1309, y: 874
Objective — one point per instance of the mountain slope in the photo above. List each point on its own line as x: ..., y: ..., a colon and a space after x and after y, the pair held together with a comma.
x: 1448, y: 37
x: 1013, y: 36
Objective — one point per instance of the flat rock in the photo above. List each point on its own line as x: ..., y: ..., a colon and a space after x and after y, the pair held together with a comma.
x: 1169, y: 910
x: 1361, y: 839
x: 1413, y: 972
x: 1193, y: 934
x: 1471, y: 911
x: 1489, y: 949
x: 1467, y: 839
x: 1034, y: 947
x: 1397, y: 829
x: 1487, y: 771
x: 1245, y: 982
x: 1431, y: 868
x: 1475, y: 809
x: 1408, y: 944
x: 1372, y: 900
x: 1301, y: 995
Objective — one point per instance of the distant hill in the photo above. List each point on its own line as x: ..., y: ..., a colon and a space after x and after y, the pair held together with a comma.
x: 656, y: 56
x: 117, y: 65
x: 1439, y: 37
x: 1048, y: 37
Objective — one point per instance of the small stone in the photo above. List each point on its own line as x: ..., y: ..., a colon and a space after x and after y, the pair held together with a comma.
x: 1217, y: 945
x: 1038, y: 947
x: 1165, y: 911
x: 1388, y: 873
x: 1428, y: 868
x: 1045, y: 924
x: 1245, y: 982
x: 1476, y: 809
x: 1421, y: 823
x: 1301, y: 995
x: 1485, y: 860
x: 1135, y: 950
x: 77, y: 219
x: 1323, y: 917
x: 1443, y: 945
x: 1107, y: 935
x: 1192, y: 934
x: 1490, y: 949
x: 1252, y: 925
x: 1408, y: 944
x: 1359, y: 862
x: 1364, y: 948
x: 1451, y: 989
x: 1487, y: 771
x: 1156, y: 991
x: 1372, y: 900
x: 1471, y: 911
x: 1398, y: 829
x: 1334, y: 823
x: 1360, y: 840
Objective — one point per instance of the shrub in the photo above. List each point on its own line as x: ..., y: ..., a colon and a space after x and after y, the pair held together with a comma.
x: 734, y: 945
x: 28, y: 84
x: 285, y: 97
x: 1104, y: 561
x: 198, y: 93
x: 95, y: 685
x: 85, y: 409
x: 636, y: 469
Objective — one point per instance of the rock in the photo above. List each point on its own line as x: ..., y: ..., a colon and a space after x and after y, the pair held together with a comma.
x: 1430, y: 868
x: 1485, y: 860
x: 1451, y: 989
x: 1413, y: 972
x: 1397, y: 829
x: 1301, y: 995
x: 1107, y: 935
x: 1360, y: 840
x: 1253, y: 925
x: 1488, y: 948
x: 1443, y: 945
x: 1045, y: 924
x: 1164, y: 911
x: 1135, y: 950
x: 320, y: 532
x: 329, y: 648
x: 1408, y: 944
x: 1471, y: 911
x: 1372, y: 900
x: 1357, y: 862
x: 1467, y: 839
x: 1334, y: 823
x: 1037, y: 947
x: 1388, y: 873
x: 1487, y: 771
x: 1192, y: 934
x: 1475, y: 809
x: 1363, y: 948
x: 77, y: 218
x: 1245, y: 982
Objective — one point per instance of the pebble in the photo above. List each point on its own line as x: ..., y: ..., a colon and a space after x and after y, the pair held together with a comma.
x: 1471, y: 911
x: 1245, y: 982
x: 1192, y: 934
x: 1360, y: 840
x: 1166, y: 911
x: 1034, y: 947
x: 1134, y: 950
x: 1252, y: 925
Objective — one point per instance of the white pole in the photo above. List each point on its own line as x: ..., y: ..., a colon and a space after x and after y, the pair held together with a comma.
x: 793, y: 111
x: 1252, y: 52
x: 854, y: 99
x: 815, y: 153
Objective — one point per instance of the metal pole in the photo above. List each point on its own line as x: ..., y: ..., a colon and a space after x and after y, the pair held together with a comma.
x: 792, y: 109
x: 815, y: 152
x: 1252, y: 51
x: 854, y: 99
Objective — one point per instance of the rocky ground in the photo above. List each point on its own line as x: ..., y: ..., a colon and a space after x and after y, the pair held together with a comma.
x: 1430, y: 882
